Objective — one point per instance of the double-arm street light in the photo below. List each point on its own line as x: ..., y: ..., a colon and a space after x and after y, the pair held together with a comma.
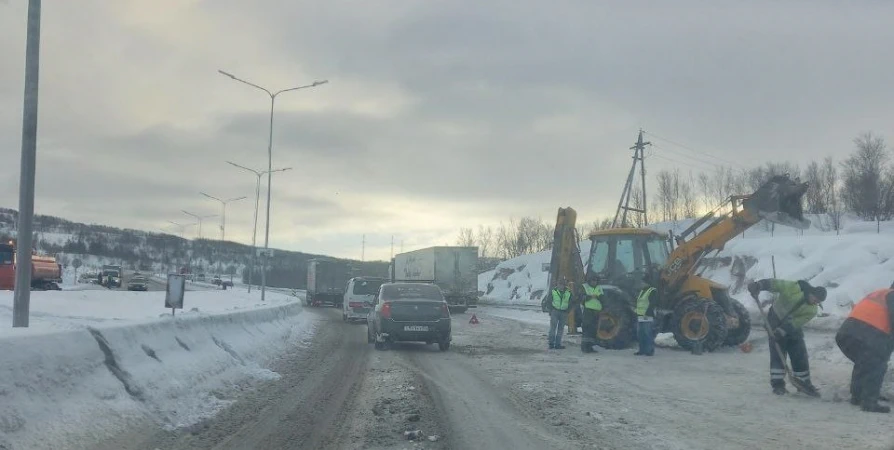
x: 272, y: 96
x: 223, y: 205
x: 254, y: 232
x: 180, y: 226
x: 198, y: 220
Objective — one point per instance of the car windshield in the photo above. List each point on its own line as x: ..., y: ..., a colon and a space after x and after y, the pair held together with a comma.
x: 366, y: 287
x: 6, y: 256
x: 411, y: 292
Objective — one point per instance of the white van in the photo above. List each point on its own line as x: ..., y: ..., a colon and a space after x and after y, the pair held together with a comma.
x: 359, y: 295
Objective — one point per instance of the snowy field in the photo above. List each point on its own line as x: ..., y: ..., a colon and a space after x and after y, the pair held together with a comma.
x: 94, y: 361
x: 850, y: 264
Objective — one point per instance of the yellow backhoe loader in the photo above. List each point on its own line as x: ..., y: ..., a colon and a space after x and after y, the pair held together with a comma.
x: 696, y: 310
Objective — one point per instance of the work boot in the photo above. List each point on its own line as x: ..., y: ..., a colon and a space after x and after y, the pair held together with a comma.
x: 810, y: 390
x: 855, y: 401
x: 551, y: 346
x: 638, y: 354
x: 560, y: 347
x: 779, y: 390
x: 875, y: 407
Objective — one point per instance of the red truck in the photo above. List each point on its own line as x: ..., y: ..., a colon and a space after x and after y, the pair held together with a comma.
x: 46, y: 273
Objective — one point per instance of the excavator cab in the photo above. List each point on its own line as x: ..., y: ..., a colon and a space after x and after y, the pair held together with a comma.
x: 624, y: 256
x: 779, y: 201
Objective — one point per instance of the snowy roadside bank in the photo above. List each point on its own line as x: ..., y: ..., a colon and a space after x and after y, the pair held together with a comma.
x: 849, y: 265
x: 95, y: 364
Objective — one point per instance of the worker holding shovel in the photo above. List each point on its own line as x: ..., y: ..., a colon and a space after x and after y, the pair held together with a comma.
x: 795, y: 305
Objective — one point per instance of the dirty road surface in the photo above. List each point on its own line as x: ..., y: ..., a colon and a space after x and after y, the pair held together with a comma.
x: 499, y: 388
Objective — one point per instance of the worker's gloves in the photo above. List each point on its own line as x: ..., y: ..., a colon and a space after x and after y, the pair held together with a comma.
x: 780, y: 333
x: 754, y: 289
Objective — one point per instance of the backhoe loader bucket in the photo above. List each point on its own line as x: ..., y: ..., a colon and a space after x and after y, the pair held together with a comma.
x: 779, y: 201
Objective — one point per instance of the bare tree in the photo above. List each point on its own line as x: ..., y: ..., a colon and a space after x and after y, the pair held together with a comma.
x: 667, y: 194
x: 637, y: 220
x: 864, y: 187
x: 466, y: 238
x: 704, y: 184
x: 830, y: 193
x: 485, y: 240
x: 688, y: 197
x: 814, y: 198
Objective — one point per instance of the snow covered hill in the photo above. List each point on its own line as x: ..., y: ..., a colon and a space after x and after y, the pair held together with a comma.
x: 849, y: 264
x: 95, y: 245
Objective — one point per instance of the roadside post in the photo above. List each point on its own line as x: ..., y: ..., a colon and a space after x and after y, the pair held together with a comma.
x: 174, y: 292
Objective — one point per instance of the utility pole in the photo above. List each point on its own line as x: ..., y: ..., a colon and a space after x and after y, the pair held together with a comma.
x: 392, y: 248
x: 624, y: 203
x: 363, y: 249
x: 21, y: 304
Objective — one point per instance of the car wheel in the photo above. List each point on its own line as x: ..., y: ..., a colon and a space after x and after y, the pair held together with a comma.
x: 444, y: 346
x: 369, y: 337
x: 380, y: 345
x: 344, y: 317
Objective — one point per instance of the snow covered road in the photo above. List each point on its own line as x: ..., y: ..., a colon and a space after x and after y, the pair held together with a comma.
x: 498, y: 387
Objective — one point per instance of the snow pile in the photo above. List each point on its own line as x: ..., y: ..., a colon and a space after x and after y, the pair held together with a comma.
x: 849, y: 264
x: 94, y: 362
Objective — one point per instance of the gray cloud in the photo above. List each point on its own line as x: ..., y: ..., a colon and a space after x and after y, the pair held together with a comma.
x: 461, y: 112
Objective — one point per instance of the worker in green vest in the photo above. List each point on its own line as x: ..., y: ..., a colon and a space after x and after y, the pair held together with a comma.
x: 590, y: 321
x: 558, y: 313
x: 645, y: 319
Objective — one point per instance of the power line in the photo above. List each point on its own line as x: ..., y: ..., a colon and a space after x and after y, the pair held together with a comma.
x: 691, y: 159
x: 708, y: 154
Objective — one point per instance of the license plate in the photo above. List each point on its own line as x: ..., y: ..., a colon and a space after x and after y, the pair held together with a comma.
x: 415, y: 328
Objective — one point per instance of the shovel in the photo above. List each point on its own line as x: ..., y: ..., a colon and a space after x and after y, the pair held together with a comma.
x: 798, y: 384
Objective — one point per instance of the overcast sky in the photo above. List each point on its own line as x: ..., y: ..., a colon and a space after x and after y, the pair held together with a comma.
x: 438, y: 114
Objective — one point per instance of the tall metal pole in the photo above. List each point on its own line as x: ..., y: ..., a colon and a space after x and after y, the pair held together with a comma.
x: 254, y: 233
x: 272, y: 96
x: 269, y: 187
x: 22, y: 298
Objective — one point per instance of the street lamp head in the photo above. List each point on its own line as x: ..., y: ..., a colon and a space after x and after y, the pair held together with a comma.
x: 226, y: 74
x: 319, y: 82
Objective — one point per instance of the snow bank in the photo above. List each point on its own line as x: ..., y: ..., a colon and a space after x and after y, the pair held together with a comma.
x: 90, y: 366
x: 849, y: 264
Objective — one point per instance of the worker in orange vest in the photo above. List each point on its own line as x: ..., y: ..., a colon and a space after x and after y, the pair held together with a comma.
x: 865, y: 338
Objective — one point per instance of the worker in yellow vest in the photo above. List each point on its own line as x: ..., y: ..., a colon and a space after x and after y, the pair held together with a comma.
x: 592, y: 307
x: 560, y: 298
x: 865, y: 338
x: 645, y: 320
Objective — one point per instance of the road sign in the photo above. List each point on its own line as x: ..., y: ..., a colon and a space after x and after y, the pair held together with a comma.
x: 174, y: 291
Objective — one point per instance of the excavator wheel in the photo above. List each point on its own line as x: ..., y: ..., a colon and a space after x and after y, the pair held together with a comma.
x: 739, y: 334
x: 699, y: 320
x: 617, y: 324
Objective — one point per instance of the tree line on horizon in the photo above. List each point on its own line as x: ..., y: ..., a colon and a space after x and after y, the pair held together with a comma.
x: 861, y: 184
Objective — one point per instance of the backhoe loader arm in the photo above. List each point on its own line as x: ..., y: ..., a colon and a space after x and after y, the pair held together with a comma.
x: 778, y: 201
x: 688, y: 254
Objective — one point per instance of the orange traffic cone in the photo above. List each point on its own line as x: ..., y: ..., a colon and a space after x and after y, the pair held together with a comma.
x: 474, y: 320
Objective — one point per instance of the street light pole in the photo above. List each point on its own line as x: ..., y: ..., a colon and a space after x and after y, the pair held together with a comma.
x: 223, y: 204
x: 254, y: 233
x: 199, y: 220
x: 21, y: 304
x: 272, y: 96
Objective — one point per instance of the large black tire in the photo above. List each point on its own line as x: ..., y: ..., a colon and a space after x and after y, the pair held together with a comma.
x: 369, y: 336
x: 457, y: 309
x: 617, y: 324
x: 738, y: 335
x: 444, y: 346
x: 699, y: 320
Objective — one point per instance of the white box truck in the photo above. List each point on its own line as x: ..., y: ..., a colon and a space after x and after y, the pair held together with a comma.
x: 453, y: 269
